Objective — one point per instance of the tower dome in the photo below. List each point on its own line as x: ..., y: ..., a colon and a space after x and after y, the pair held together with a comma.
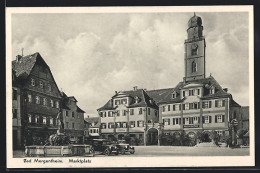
x: 194, y: 21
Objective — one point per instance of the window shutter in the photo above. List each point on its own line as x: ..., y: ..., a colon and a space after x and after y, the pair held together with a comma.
x: 203, y: 119
x: 215, y: 118
x: 209, y: 119
x: 41, y: 119
x: 216, y: 103
x: 198, y: 119
x: 223, y: 118
x: 179, y: 106
x: 189, y: 120
x: 198, y: 105
x: 190, y: 105
x: 183, y: 106
x: 179, y: 120
x: 183, y: 120
x: 173, y: 121
x: 209, y: 104
x: 223, y: 103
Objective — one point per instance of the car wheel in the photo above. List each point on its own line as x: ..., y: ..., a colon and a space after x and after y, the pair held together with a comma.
x: 107, y: 153
x: 122, y: 151
x: 132, y: 152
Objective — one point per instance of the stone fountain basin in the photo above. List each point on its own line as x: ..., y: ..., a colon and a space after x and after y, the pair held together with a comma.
x: 58, y: 151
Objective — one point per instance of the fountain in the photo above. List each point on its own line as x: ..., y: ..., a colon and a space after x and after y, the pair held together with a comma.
x: 59, y: 145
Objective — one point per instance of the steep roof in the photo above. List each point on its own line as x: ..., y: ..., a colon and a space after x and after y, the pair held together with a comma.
x: 65, y: 98
x: 91, y: 120
x: 144, y: 100
x: 80, y: 110
x: 207, y: 83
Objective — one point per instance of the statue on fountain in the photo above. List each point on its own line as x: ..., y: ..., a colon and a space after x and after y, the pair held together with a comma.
x: 60, y: 137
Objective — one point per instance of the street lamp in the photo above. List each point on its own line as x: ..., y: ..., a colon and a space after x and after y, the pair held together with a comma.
x: 145, y: 123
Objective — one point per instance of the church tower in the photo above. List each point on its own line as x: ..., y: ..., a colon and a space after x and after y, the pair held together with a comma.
x: 195, y: 46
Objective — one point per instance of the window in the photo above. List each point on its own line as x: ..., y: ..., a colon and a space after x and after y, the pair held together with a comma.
x: 220, y: 132
x: 29, y: 98
x: 163, y: 108
x: 140, y: 123
x: 103, y: 125
x: 169, y: 107
x: 36, y: 119
x: 166, y: 122
x: 194, y: 51
x: 149, y: 111
x: 72, y: 114
x: 195, y: 120
x: 206, y: 104
x: 123, y: 101
x: 155, y: 112
x: 41, y: 84
x: 176, y: 121
x: 124, y: 124
x: 194, y: 66
x: 187, y: 121
x: 73, y: 125
x: 206, y: 119
x: 198, y: 91
x: 51, y: 121
x: 140, y: 111
x: 173, y: 107
x: 117, y: 113
x: 118, y: 124
x: 37, y: 100
x: 44, y: 101
x: 30, y: 118
x: 212, y: 90
x: 49, y: 87
x: 187, y: 106
x: 219, y: 118
x: 173, y: 95
x: 191, y: 92
x: 111, y: 125
x: 219, y: 103
x: 32, y: 82
x: 67, y: 113
x: 132, y: 124
x: 131, y: 111
x: 57, y: 104
x: 67, y: 125
x: 110, y: 114
x: 117, y: 102
x: 183, y: 93
x: 14, y: 113
x: 124, y: 112
x: 14, y: 94
x: 52, y: 104
x: 105, y: 114
x: 44, y: 120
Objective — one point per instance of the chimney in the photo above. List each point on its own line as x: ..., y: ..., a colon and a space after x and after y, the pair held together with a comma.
x: 115, y: 92
x: 18, y: 58
x: 135, y: 88
x: 225, y: 89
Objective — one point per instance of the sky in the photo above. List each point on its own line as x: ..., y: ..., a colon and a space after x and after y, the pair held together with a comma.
x: 92, y: 55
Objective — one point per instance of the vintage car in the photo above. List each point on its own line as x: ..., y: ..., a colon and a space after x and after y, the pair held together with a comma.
x: 104, y: 146
x: 123, y: 147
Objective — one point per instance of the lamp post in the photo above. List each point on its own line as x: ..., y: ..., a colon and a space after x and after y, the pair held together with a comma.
x: 145, y: 124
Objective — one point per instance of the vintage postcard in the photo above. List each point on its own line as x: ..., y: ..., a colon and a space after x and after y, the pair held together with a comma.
x: 110, y: 87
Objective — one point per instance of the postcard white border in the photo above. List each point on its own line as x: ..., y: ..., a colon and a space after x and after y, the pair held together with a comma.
x: 180, y: 161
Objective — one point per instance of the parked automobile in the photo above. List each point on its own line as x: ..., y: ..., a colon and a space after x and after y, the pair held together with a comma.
x: 123, y: 147
x: 104, y: 146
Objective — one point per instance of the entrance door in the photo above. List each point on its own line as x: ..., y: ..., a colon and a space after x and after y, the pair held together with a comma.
x: 152, y: 136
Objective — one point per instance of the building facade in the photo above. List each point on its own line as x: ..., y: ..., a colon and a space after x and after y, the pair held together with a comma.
x: 36, y: 100
x: 198, y: 103
x: 73, y: 118
x: 127, y: 114
x: 93, y: 124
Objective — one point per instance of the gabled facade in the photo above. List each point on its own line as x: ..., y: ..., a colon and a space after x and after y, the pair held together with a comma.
x: 38, y: 102
x: 128, y: 113
x: 73, y: 118
x: 93, y: 124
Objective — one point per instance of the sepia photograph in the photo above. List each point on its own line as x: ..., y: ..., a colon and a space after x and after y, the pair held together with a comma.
x: 99, y: 87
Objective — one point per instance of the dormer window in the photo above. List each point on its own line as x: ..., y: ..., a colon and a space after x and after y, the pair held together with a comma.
x: 136, y: 99
x: 41, y: 84
x: 32, y: 82
x: 124, y: 101
x: 174, y: 95
x: 212, y: 90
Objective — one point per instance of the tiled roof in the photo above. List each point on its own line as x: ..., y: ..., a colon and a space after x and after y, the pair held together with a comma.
x: 144, y: 100
x: 24, y: 66
x: 207, y: 83
x: 80, y: 110
x: 90, y: 120
x: 234, y: 104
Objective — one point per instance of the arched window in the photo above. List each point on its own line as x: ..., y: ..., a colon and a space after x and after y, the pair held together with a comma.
x: 194, y: 67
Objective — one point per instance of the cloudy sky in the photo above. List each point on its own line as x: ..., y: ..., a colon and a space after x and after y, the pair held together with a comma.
x: 93, y: 55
